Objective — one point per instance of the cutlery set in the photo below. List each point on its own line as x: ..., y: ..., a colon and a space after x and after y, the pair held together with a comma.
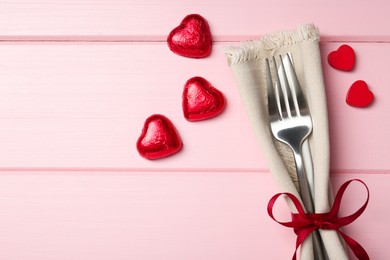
x: 280, y: 80
x: 291, y: 124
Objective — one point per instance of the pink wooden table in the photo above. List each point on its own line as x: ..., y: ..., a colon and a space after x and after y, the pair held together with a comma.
x: 78, y: 79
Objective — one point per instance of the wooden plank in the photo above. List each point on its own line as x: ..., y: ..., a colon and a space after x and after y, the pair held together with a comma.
x: 97, y: 97
x: 78, y: 106
x: 154, y: 215
x: 130, y: 20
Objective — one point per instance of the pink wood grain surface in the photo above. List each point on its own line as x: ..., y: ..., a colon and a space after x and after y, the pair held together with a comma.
x: 180, y: 215
x: 153, y: 19
x: 97, y: 96
x: 77, y: 81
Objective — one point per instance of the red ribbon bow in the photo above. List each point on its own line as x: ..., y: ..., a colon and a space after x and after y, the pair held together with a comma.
x: 304, y: 224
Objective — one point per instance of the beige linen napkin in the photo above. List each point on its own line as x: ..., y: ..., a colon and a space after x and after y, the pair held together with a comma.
x: 248, y: 67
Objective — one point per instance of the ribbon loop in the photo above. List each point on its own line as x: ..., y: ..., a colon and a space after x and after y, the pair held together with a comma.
x: 303, y: 224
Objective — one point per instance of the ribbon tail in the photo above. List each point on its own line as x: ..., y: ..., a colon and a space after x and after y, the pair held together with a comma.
x: 301, y: 236
x: 356, y: 248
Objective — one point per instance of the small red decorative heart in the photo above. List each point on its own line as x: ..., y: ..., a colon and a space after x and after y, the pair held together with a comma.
x: 159, y: 138
x: 343, y: 58
x: 201, y: 100
x: 192, y: 38
x: 359, y: 95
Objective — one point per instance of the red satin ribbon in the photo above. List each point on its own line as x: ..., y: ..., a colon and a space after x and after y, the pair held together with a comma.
x: 303, y: 224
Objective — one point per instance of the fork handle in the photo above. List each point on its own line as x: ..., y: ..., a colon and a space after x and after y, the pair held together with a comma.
x: 318, y: 247
x: 302, y: 180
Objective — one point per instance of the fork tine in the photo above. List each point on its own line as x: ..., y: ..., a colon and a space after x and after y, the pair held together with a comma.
x: 272, y: 103
x: 279, y: 96
x: 287, y: 92
x: 299, y: 99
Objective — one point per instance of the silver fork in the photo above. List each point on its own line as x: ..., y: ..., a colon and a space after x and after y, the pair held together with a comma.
x: 291, y: 124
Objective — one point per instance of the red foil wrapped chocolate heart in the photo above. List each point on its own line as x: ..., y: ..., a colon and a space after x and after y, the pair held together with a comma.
x: 201, y: 100
x: 159, y: 138
x: 359, y: 95
x: 192, y: 38
x: 343, y: 58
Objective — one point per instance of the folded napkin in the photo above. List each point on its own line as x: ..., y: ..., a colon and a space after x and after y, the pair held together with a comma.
x: 247, y: 62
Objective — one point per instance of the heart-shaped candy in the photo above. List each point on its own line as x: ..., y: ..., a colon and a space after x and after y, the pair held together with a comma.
x: 343, y: 58
x: 359, y: 95
x: 159, y: 138
x: 201, y: 100
x: 192, y: 38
